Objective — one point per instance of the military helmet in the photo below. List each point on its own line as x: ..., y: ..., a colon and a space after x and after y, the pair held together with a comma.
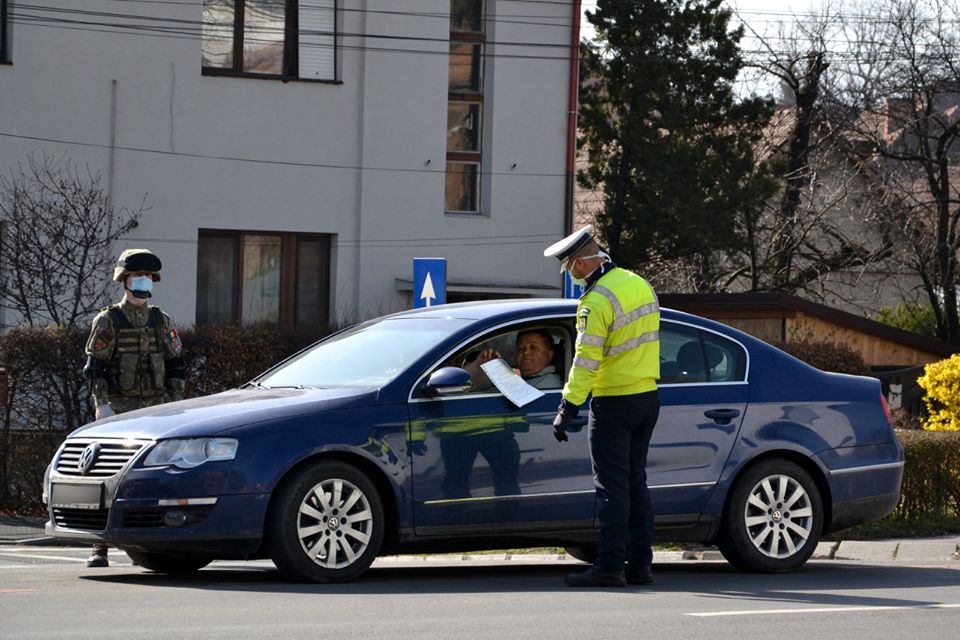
x: 137, y: 261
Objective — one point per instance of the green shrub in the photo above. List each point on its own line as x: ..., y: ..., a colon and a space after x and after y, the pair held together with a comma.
x: 827, y: 356
x: 918, y: 318
x: 941, y: 381
x: 931, y: 476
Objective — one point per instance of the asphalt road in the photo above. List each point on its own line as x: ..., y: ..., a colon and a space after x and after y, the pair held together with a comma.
x: 48, y: 593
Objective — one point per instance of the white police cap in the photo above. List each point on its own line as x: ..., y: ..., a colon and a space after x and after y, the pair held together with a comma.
x: 570, y: 245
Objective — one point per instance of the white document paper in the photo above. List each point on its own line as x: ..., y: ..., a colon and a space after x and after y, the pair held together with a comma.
x: 509, y: 383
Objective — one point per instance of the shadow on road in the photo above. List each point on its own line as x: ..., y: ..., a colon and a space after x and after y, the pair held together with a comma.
x: 812, y: 585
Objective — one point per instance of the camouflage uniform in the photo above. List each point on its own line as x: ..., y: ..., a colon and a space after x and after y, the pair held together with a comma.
x: 135, y: 354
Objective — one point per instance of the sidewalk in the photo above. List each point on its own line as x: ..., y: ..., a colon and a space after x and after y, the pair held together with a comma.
x: 29, y: 531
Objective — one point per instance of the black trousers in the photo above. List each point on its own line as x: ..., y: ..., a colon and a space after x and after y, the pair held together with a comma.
x: 620, y: 428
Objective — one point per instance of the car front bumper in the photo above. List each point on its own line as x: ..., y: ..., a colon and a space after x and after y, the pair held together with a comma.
x: 207, y: 509
x: 231, y: 527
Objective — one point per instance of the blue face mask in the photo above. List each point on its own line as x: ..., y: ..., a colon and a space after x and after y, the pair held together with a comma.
x: 141, y: 286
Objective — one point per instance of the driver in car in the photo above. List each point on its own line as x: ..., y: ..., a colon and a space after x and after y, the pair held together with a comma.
x: 534, y: 354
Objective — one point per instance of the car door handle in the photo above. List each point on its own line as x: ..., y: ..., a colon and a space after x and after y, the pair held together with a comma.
x: 722, y: 416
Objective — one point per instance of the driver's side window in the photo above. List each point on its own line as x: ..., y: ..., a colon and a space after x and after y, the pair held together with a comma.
x: 539, y: 353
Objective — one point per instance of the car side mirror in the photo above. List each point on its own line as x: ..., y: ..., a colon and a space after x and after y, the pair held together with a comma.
x: 447, y: 381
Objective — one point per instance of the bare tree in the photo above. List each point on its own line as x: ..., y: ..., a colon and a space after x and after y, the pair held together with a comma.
x: 59, y: 228
x: 900, y: 89
x: 820, y: 227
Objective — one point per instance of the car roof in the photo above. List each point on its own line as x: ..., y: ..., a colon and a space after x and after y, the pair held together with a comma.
x: 485, y: 309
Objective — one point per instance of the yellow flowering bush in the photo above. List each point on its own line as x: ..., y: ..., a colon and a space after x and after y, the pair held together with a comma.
x: 941, y: 381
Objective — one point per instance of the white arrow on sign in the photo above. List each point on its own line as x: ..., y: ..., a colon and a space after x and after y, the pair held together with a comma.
x: 428, y: 293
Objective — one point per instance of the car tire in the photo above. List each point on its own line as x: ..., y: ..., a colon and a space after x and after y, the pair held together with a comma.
x: 583, y: 553
x: 326, y: 524
x: 773, y: 520
x: 167, y: 563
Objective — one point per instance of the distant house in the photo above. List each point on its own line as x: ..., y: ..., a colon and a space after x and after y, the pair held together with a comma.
x: 297, y: 155
x: 776, y: 317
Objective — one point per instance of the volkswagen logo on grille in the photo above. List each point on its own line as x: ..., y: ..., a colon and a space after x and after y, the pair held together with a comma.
x: 88, y: 457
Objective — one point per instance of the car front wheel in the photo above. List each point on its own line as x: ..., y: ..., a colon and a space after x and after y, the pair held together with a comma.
x: 326, y: 524
x: 774, y: 519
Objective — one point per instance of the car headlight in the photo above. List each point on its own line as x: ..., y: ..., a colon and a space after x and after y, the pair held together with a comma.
x: 187, y: 453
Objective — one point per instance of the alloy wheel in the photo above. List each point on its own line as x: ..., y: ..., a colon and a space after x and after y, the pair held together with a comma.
x: 778, y: 516
x: 334, y: 523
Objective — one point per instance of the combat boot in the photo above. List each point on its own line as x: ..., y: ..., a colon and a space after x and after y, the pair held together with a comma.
x: 98, y: 558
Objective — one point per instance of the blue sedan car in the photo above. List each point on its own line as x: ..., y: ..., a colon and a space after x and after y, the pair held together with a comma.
x: 376, y: 440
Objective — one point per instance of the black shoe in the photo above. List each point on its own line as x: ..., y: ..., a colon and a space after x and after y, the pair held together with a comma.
x: 98, y: 558
x: 643, y: 575
x: 594, y: 577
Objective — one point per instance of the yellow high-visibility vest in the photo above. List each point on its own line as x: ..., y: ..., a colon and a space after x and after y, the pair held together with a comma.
x: 618, y: 339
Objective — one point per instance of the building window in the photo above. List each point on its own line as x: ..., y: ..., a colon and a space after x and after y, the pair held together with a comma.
x: 4, y: 33
x: 253, y: 278
x: 465, y: 107
x: 270, y: 38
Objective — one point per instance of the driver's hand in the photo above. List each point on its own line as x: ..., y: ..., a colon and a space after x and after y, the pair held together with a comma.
x: 487, y: 355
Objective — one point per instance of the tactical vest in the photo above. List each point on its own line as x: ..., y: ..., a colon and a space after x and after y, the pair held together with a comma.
x: 138, y: 364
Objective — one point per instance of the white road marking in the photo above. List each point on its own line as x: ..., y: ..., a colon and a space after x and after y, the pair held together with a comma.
x: 764, y: 612
x: 37, y: 556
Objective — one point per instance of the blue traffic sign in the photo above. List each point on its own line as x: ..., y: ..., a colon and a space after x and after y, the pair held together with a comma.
x: 571, y: 290
x: 429, y: 282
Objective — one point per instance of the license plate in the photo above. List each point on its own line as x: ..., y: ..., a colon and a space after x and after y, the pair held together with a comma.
x: 77, y: 496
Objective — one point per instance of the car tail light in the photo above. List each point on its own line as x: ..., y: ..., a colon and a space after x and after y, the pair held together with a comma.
x: 886, y: 409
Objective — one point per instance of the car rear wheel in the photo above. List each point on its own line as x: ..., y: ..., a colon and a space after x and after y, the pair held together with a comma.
x: 773, y: 520
x: 167, y: 563
x: 326, y: 524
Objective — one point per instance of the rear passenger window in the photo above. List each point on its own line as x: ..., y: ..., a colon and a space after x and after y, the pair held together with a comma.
x: 726, y: 360
x: 688, y: 355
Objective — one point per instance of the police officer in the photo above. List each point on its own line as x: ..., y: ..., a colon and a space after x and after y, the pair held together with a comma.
x: 134, y: 355
x: 617, y: 359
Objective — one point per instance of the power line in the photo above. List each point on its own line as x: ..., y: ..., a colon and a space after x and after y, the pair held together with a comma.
x: 382, y: 243
x: 174, y: 33
x: 511, y: 19
x: 285, y: 163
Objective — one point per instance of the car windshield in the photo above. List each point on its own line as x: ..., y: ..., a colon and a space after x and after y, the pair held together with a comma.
x: 370, y: 354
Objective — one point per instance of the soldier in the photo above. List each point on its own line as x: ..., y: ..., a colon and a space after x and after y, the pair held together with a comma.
x: 134, y: 355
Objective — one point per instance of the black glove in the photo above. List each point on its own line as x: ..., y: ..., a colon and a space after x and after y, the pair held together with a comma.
x: 566, y: 412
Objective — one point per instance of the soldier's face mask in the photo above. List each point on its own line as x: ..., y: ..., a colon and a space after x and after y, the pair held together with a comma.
x: 141, y: 286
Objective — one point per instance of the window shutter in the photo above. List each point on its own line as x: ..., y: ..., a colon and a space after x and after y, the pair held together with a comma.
x: 317, y: 43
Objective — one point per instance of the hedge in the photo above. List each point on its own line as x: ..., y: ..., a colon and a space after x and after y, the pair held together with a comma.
x: 931, y: 476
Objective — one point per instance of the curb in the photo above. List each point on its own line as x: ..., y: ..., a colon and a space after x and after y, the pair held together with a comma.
x: 946, y: 549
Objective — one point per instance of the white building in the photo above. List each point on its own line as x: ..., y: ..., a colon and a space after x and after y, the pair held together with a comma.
x: 297, y: 154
